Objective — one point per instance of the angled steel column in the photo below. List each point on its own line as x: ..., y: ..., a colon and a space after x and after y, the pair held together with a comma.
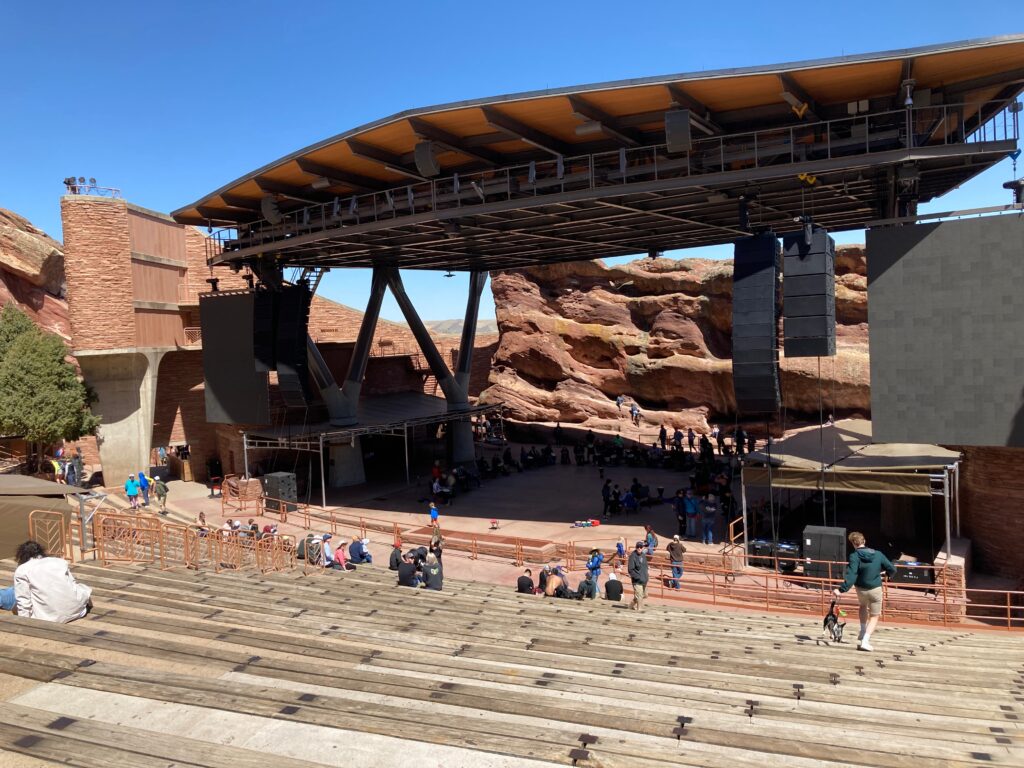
x: 454, y: 394
x: 361, y: 353
x: 337, y: 408
x: 462, y: 369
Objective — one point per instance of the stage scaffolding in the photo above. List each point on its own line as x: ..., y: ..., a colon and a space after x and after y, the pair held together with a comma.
x: 313, y: 440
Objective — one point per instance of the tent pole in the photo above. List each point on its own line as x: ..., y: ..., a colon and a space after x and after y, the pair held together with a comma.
x: 743, y: 505
x: 945, y: 498
x: 245, y: 453
x: 323, y: 473
x: 405, y: 438
x: 956, y: 492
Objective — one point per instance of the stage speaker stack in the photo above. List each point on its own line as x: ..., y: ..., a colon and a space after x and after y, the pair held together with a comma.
x: 755, y: 315
x: 281, y: 486
x: 290, y: 349
x: 678, y: 138
x: 824, y: 552
x: 809, y: 291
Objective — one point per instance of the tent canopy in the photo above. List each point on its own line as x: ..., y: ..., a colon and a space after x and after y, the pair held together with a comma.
x: 25, y: 485
x: 852, y: 463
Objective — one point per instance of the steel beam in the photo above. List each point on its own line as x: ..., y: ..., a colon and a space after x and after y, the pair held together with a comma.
x: 425, y: 130
x: 302, y: 194
x: 523, y: 132
x: 477, y: 280
x: 346, y: 178
x: 585, y: 111
x: 377, y: 155
x: 804, y: 107
x: 353, y: 383
x: 701, y: 117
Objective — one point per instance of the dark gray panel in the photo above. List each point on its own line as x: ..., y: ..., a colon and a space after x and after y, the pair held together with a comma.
x: 798, y: 327
x: 946, y: 324
x: 823, y: 346
x: 235, y: 392
x: 809, y: 306
x: 809, y: 285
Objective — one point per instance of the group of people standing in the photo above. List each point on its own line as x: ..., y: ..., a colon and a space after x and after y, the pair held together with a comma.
x: 137, y: 490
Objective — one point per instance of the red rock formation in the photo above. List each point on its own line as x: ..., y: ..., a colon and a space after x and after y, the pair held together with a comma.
x: 32, y: 273
x: 574, y: 336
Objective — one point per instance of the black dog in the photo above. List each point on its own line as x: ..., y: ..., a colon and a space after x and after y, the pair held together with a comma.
x: 831, y: 626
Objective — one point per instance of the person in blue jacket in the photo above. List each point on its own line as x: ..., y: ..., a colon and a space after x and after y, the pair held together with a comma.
x: 864, y: 571
x: 594, y: 566
x: 144, y: 487
x: 131, y: 490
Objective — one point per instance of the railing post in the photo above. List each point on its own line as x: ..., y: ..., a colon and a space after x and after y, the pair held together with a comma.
x: 1009, y: 613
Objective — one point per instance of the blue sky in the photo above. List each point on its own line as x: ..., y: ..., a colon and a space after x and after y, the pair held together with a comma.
x: 168, y: 101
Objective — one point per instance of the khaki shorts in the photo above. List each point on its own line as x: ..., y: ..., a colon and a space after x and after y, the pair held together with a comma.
x: 639, y: 591
x: 870, y: 599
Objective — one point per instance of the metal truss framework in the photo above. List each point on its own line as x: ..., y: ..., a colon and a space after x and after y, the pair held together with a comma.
x: 844, y: 173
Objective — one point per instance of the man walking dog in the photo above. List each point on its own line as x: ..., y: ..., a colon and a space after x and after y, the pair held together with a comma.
x: 864, y: 571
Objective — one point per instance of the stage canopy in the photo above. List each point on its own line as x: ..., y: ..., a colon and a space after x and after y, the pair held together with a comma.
x: 629, y: 167
x: 841, y: 457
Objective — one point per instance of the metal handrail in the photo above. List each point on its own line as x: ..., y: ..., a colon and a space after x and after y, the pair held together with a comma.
x: 910, y: 127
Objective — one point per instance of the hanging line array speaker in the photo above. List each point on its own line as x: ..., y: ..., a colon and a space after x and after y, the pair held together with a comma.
x: 755, y: 316
x: 290, y: 348
x: 809, y: 293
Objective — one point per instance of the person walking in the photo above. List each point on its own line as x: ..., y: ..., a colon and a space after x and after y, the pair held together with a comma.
x: 620, y: 552
x: 676, y: 550
x: 434, y: 514
x: 691, y: 439
x: 634, y: 414
x: 663, y: 437
x: 638, y: 574
x: 692, y: 506
x: 619, y: 401
x: 709, y: 518
x: 131, y: 490
x: 679, y: 507
x: 677, y: 439
x: 864, y: 572
x: 650, y: 540
x: 160, y: 490
x: 606, y: 498
x: 144, y: 484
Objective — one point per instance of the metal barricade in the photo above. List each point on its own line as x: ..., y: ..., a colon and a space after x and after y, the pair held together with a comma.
x: 51, y: 530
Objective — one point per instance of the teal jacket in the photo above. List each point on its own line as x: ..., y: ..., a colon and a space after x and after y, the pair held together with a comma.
x: 864, y: 569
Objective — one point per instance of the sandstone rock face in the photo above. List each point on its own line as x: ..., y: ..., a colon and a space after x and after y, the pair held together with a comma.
x: 32, y: 273
x: 574, y: 336
x: 31, y: 254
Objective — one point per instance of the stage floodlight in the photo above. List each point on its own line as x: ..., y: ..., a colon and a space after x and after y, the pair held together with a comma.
x: 320, y: 183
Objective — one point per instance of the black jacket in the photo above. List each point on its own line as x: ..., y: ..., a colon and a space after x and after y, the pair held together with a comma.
x: 406, y: 575
x: 613, y: 590
x: 432, y: 576
x: 524, y: 585
x: 396, y: 559
x: 637, y: 567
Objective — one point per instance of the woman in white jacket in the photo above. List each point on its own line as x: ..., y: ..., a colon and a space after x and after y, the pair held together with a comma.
x: 45, y: 589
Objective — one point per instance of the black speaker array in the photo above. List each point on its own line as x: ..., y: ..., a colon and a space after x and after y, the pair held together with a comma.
x: 755, y: 315
x: 264, y: 321
x: 290, y: 347
x: 809, y: 290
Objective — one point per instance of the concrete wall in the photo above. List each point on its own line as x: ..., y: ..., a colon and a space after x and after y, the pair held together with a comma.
x: 346, y: 465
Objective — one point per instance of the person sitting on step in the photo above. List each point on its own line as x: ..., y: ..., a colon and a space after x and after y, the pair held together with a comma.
x: 524, y: 584
x: 334, y: 558
x: 588, y: 587
x: 45, y: 589
x: 358, y: 553
x: 613, y: 588
x: 432, y: 573
x: 396, y: 558
x: 408, y: 576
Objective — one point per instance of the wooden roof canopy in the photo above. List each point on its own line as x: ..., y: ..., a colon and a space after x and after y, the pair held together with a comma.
x: 538, y: 131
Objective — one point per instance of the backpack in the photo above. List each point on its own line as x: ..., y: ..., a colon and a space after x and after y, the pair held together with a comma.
x: 595, y: 562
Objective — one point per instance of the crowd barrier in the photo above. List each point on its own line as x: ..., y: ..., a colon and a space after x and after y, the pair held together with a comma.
x: 725, y: 578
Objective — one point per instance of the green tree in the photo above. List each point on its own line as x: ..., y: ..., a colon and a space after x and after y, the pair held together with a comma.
x: 41, y: 397
x: 13, y: 323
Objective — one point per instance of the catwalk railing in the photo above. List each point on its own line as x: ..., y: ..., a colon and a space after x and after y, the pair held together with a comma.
x: 860, y: 135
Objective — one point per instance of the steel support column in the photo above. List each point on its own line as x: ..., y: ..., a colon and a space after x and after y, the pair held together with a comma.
x: 361, y: 352
x: 477, y: 280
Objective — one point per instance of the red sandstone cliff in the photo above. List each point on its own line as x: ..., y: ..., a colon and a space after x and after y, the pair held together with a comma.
x: 32, y: 273
x: 574, y: 336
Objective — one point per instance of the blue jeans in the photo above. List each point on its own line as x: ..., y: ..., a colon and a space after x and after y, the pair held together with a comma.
x: 709, y: 533
x: 677, y: 573
x: 596, y: 576
x: 7, y: 599
x: 145, y: 497
x: 691, y: 526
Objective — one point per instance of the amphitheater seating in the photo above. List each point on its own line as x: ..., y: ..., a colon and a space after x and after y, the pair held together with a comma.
x: 200, y: 669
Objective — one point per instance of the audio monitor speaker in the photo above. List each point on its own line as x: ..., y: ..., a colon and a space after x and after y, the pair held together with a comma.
x: 426, y: 159
x: 824, y: 552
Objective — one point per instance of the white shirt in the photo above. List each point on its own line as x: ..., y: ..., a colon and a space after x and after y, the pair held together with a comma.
x: 45, y: 589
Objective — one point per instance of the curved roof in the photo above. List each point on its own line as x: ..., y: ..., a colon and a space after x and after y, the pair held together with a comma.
x: 500, y: 131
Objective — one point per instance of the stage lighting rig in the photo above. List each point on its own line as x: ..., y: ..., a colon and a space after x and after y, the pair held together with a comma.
x: 1017, y: 187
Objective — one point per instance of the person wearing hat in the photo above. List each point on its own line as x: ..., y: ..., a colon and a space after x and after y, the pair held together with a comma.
x: 131, y: 490
x: 358, y: 553
x: 637, y: 568
x: 613, y: 588
x: 676, y: 550
x: 328, y: 555
x: 594, y: 566
x: 542, y: 579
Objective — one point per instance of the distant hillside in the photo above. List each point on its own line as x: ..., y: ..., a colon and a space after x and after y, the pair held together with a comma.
x: 455, y: 326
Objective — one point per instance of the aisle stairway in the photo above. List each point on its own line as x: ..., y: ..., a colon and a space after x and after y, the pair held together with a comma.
x: 198, y: 669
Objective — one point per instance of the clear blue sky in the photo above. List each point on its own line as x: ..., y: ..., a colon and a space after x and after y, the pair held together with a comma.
x: 168, y: 101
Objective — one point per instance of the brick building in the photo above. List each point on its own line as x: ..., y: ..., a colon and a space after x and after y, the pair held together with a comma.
x: 133, y: 282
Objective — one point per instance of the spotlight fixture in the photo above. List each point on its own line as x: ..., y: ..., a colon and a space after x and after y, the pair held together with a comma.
x: 1017, y: 187
x: 92, y: 181
x: 320, y: 183
x: 449, y: 273
x: 908, y: 101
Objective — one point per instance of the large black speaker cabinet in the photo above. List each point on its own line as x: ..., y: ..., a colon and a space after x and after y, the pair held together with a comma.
x: 236, y: 392
x: 677, y: 131
x: 264, y: 329
x: 280, y: 487
x: 755, y: 315
x: 809, y: 306
x: 824, y: 552
x: 290, y: 350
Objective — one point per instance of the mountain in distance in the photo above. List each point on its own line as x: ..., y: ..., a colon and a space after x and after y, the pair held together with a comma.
x: 455, y: 326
